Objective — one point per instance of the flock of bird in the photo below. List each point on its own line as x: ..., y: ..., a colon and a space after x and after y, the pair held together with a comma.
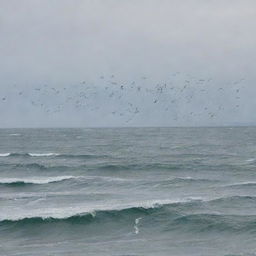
x: 179, y: 97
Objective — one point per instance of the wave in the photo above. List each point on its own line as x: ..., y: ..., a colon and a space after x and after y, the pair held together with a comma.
x: 28, y: 154
x: 179, y: 180
x: 119, y: 167
x: 189, y: 179
x: 34, y: 180
x: 5, y: 154
x: 49, y: 155
x: 47, y: 180
x: 80, y: 213
x: 239, y: 201
x: 207, y: 222
x: 42, y: 154
x: 242, y: 184
x: 32, y: 165
x: 163, y: 212
x: 83, y: 156
x: 40, y: 166
x: 251, y: 160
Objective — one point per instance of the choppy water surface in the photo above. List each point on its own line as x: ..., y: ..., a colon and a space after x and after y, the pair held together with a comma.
x: 129, y: 191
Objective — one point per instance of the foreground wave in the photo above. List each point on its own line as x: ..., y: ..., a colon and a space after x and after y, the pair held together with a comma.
x: 70, y: 212
x: 164, y: 213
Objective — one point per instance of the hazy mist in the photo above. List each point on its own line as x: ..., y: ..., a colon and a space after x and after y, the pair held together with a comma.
x: 127, y: 63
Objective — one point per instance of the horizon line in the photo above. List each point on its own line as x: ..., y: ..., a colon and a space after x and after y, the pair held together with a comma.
x: 123, y: 127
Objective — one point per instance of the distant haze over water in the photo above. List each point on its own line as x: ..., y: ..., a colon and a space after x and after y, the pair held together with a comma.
x: 113, y: 63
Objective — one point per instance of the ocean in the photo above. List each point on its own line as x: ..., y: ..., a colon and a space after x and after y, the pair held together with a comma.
x: 128, y: 191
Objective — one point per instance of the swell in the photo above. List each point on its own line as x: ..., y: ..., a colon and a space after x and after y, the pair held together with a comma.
x: 242, y: 184
x: 82, y: 156
x: 37, y: 166
x: 58, y: 155
x: 145, y: 207
x: 119, y: 167
x: 180, y: 181
x: 214, y: 223
x: 28, y: 154
x: 58, y: 179
x: 78, y: 218
x: 29, y: 166
x: 33, y: 181
x: 165, y: 214
x: 234, y: 199
x: 98, y: 167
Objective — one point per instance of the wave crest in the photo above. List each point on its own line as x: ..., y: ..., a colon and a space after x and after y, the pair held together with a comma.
x: 5, y: 154
x: 34, y: 180
x: 80, y: 212
x: 165, y: 213
x: 87, y: 156
x: 43, y: 154
x: 28, y: 154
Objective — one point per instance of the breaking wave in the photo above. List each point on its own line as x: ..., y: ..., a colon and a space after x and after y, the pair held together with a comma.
x: 164, y: 212
x: 34, y: 180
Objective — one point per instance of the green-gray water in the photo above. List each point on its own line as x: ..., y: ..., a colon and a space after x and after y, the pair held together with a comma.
x: 129, y: 191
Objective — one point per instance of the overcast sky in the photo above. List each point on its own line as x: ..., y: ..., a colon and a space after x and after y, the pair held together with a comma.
x: 64, y: 62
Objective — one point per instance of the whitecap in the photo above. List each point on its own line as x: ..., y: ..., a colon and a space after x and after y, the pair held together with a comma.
x: 250, y: 160
x: 241, y: 184
x: 5, y: 154
x: 35, y: 180
x: 67, y: 212
x: 42, y: 154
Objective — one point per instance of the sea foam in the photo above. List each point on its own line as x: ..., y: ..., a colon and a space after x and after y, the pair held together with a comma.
x: 34, y: 180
